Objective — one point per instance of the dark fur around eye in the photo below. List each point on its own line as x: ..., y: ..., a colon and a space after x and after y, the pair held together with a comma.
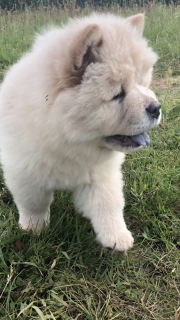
x: 120, y: 95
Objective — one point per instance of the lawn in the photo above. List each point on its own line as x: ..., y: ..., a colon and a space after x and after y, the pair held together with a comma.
x: 63, y: 273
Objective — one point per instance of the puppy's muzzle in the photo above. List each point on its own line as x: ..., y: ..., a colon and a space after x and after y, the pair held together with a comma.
x: 153, y: 110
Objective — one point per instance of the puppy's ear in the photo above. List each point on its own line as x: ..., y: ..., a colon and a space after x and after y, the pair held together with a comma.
x: 83, y: 51
x: 137, y: 22
x: 86, y: 46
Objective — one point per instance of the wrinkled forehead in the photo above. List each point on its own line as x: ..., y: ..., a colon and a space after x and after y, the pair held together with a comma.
x: 112, y: 78
x: 117, y: 70
x: 127, y: 53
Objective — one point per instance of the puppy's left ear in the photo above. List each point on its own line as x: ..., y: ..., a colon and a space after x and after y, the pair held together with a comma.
x: 137, y: 22
x: 86, y: 46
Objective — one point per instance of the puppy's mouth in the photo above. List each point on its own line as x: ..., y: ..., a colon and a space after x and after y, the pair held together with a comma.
x: 135, y: 141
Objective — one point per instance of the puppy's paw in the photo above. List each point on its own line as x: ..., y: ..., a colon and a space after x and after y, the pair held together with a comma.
x: 34, y: 224
x: 34, y: 229
x: 120, y: 240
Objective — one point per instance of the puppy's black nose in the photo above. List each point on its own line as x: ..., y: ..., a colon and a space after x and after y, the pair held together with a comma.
x: 153, y: 109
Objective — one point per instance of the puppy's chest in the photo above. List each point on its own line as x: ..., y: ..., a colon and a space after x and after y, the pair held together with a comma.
x: 66, y: 175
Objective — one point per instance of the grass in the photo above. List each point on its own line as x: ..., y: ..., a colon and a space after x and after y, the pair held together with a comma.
x: 63, y: 273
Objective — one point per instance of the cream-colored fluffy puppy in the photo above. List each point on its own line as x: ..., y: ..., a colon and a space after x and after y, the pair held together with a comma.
x: 69, y: 109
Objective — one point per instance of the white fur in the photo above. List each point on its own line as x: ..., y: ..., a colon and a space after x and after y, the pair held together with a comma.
x: 52, y: 134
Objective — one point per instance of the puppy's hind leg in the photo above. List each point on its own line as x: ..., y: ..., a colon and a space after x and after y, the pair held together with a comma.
x: 34, y: 213
x: 33, y: 203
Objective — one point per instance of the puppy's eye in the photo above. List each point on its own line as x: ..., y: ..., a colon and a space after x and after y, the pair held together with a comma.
x: 120, y: 95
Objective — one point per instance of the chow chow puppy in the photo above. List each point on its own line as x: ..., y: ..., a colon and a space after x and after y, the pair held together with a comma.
x: 69, y: 110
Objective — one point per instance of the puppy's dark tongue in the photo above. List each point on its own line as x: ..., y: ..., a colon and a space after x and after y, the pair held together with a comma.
x: 138, y: 140
x: 141, y: 139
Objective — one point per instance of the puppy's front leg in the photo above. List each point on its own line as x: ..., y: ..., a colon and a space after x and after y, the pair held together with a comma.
x: 102, y: 202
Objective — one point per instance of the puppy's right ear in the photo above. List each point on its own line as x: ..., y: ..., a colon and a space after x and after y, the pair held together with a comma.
x: 84, y: 51
x: 86, y: 46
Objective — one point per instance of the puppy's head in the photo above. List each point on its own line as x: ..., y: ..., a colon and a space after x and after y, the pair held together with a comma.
x: 106, y: 76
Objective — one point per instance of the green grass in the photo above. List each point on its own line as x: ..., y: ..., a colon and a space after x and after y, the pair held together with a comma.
x: 63, y: 273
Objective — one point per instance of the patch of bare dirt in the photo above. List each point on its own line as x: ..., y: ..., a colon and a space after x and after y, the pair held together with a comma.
x: 166, y: 83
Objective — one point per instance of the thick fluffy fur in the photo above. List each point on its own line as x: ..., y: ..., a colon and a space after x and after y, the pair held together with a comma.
x: 56, y: 110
